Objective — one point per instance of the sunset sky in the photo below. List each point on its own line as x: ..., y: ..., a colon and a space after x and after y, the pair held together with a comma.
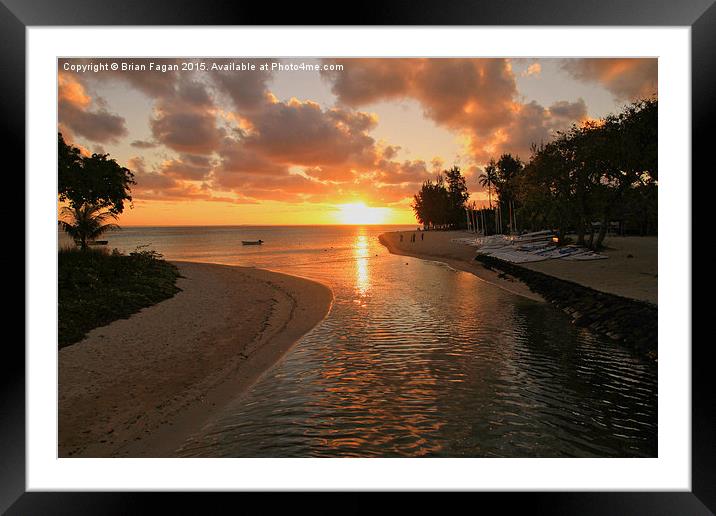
x: 324, y: 147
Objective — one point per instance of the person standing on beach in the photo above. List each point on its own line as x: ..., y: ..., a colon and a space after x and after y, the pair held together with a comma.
x: 401, y: 237
x: 422, y: 236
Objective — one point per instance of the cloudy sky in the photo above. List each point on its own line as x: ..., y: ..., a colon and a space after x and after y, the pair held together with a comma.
x: 283, y: 146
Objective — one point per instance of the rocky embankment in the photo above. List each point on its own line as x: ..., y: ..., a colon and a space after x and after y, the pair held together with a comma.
x: 630, y: 322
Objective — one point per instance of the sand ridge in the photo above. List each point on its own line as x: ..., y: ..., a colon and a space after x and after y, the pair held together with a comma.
x: 139, y: 386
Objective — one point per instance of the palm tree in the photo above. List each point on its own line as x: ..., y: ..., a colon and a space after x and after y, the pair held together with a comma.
x: 87, y: 223
x: 488, y: 178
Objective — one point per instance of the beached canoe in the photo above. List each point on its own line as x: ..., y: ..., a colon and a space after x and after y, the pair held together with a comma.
x: 252, y: 242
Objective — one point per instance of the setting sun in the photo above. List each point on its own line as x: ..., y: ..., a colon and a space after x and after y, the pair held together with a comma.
x: 359, y: 213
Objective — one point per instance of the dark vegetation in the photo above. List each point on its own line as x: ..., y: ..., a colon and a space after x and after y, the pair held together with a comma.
x: 96, y: 180
x: 440, y: 204
x: 600, y: 175
x: 94, y: 188
x: 97, y: 287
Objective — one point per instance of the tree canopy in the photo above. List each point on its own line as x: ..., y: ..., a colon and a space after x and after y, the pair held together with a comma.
x: 95, y: 180
x: 441, y: 203
x: 601, y: 171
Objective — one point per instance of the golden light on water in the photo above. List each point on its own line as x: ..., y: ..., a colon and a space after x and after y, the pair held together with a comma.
x: 359, y: 213
x: 360, y: 251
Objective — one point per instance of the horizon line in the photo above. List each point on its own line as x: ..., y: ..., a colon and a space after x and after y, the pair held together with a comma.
x: 252, y: 225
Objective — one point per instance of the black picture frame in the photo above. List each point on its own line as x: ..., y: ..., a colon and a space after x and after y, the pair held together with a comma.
x: 700, y: 15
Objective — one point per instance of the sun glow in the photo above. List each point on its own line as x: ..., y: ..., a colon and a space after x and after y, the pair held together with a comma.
x: 359, y: 213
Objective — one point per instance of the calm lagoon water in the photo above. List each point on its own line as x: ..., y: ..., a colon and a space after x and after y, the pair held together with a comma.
x: 417, y: 359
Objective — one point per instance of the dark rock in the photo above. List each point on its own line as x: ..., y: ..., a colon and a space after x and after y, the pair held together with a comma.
x: 628, y: 321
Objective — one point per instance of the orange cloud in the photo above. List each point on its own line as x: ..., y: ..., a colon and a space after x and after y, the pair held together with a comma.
x: 533, y: 69
x: 75, y: 114
x: 625, y: 78
x: 474, y: 97
x: 235, y: 141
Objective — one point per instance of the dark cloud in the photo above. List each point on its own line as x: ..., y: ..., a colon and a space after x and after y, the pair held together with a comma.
x: 390, y: 151
x: 395, y: 173
x: 137, y: 165
x: 187, y: 166
x: 475, y: 97
x: 235, y: 159
x: 186, y: 120
x: 193, y: 132
x: 569, y: 111
x: 530, y: 123
x: 98, y: 126
x: 142, y: 144
x: 458, y: 93
x: 246, y: 89
x: 75, y: 113
x: 301, y: 133
x: 625, y: 78
x: 363, y: 81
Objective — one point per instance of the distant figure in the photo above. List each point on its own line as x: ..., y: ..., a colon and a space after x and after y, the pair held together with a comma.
x: 422, y: 236
x: 401, y: 237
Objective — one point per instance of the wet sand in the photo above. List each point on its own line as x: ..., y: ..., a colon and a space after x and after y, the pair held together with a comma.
x: 139, y: 386
x: 631, y: 270
x: 437, y: 245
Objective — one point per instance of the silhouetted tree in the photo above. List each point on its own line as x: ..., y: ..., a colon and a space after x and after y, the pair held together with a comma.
x: 86, y: 223
x: 508, y: 169
x: 95, y: 180
x: 604, y: 169
x: 431, y: 203
x: 457, y: 197
x: 488, y: 179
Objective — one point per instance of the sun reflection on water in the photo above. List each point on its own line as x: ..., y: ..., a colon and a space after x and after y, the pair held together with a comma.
x: 360, y: 252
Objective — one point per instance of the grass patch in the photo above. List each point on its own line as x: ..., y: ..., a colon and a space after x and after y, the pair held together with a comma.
x: 97, y: 287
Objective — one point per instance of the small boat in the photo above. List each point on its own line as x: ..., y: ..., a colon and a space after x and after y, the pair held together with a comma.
x: 252, y: 242
x: 98, y: 242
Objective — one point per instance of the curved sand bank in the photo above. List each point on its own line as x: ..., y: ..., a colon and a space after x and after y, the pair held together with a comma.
x: 437, y: 245
x: 139, y: 386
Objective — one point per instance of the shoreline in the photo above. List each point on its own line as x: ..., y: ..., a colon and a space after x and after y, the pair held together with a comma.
x: 592, y: 294
x: 438, y: 247
x: 139, y: 387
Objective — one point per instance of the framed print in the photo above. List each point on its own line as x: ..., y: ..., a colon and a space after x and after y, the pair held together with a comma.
x: 409, y: 251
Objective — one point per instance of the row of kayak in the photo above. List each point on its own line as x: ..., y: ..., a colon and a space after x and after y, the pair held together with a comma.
x: 527, y: 248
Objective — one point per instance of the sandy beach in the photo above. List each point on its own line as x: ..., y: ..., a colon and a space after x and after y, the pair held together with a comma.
x: 139, y: 386
x: 630, y: 271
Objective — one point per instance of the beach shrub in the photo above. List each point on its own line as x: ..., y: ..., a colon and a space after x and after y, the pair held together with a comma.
x: 96, y: 287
